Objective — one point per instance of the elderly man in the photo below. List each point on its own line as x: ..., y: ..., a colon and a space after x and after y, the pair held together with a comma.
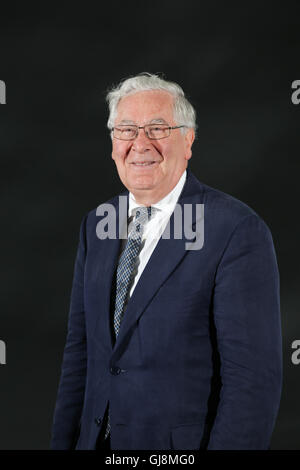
x: 169, y: 347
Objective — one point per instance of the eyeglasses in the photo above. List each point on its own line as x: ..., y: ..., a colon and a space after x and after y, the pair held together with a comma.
x: 152, y: 131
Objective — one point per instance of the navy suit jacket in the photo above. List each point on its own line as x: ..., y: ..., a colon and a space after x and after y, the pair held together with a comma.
x: 197, y: 363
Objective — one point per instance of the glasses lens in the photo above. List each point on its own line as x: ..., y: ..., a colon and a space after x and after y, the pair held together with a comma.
x: 125, y: 132
x: 157, y: 131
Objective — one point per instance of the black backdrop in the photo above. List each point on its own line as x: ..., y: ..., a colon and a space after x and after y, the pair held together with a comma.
x: 236, y: 62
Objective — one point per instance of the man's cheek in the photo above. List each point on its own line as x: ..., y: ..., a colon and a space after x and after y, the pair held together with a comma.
x: 120, y: 152
x: 116, y: 154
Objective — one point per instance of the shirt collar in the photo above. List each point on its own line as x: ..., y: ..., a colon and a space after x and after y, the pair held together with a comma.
x: 166, y: 205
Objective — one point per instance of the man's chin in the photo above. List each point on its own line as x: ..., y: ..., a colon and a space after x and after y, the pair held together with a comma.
x: 140, y: 184
x: 141, y: 187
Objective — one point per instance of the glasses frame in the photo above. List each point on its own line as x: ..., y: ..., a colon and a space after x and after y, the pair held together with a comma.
x: 145, y: 130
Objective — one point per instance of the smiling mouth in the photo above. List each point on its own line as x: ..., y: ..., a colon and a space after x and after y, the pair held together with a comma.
x: 143, y: 163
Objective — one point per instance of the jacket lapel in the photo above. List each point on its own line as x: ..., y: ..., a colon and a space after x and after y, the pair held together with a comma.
x: 164, y: 259
x: 106, y: 261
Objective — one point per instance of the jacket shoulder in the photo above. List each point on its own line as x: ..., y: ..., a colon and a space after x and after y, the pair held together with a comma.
x: 91, y: 219
x: 222, y: 210
x: 217, y: 200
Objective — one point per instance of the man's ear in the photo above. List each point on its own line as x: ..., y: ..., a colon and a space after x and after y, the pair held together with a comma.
x: 189, y: 139
x: 113, y: 156
x: 112, y: 146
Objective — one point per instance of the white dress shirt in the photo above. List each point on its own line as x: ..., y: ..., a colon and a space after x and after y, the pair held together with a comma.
x: 153, y: 229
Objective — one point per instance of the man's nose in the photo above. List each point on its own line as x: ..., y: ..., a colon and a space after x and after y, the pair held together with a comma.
x: 141, y: 143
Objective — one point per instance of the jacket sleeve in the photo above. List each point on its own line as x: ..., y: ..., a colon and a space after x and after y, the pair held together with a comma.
x: 246, y: 309
x: 70, y: 395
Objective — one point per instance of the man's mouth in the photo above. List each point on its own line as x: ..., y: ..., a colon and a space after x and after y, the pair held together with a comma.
x: 143, y: 163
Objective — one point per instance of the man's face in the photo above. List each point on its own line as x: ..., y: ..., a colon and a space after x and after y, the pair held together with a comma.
x: 165, y: 159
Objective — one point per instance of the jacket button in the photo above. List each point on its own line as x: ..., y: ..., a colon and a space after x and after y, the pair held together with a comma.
x: 115, y: 370
x: 98, y: 421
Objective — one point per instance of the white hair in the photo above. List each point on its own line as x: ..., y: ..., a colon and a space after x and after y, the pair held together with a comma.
x: 184, y: 113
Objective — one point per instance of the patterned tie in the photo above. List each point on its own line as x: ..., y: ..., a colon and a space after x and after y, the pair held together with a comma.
x: 125, y: 269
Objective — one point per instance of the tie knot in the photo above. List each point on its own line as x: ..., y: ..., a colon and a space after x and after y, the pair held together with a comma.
x: 144, y: 213
x: 142, y: 216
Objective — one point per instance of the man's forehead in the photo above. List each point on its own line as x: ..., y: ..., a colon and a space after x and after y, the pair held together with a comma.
x: 148, y: 95
x: 152, y: 105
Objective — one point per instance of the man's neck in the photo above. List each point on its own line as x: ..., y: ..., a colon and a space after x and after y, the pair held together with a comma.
x: 149, y: 198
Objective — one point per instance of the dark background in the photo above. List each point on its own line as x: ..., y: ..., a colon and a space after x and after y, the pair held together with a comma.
x: 235, y: 61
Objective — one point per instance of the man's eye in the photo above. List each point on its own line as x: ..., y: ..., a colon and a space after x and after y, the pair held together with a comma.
x: 157, y: 128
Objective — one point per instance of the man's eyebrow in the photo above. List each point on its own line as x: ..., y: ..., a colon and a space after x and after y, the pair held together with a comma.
x: 158, y: 121
x: 153, y: 121
x: 126, y: 121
